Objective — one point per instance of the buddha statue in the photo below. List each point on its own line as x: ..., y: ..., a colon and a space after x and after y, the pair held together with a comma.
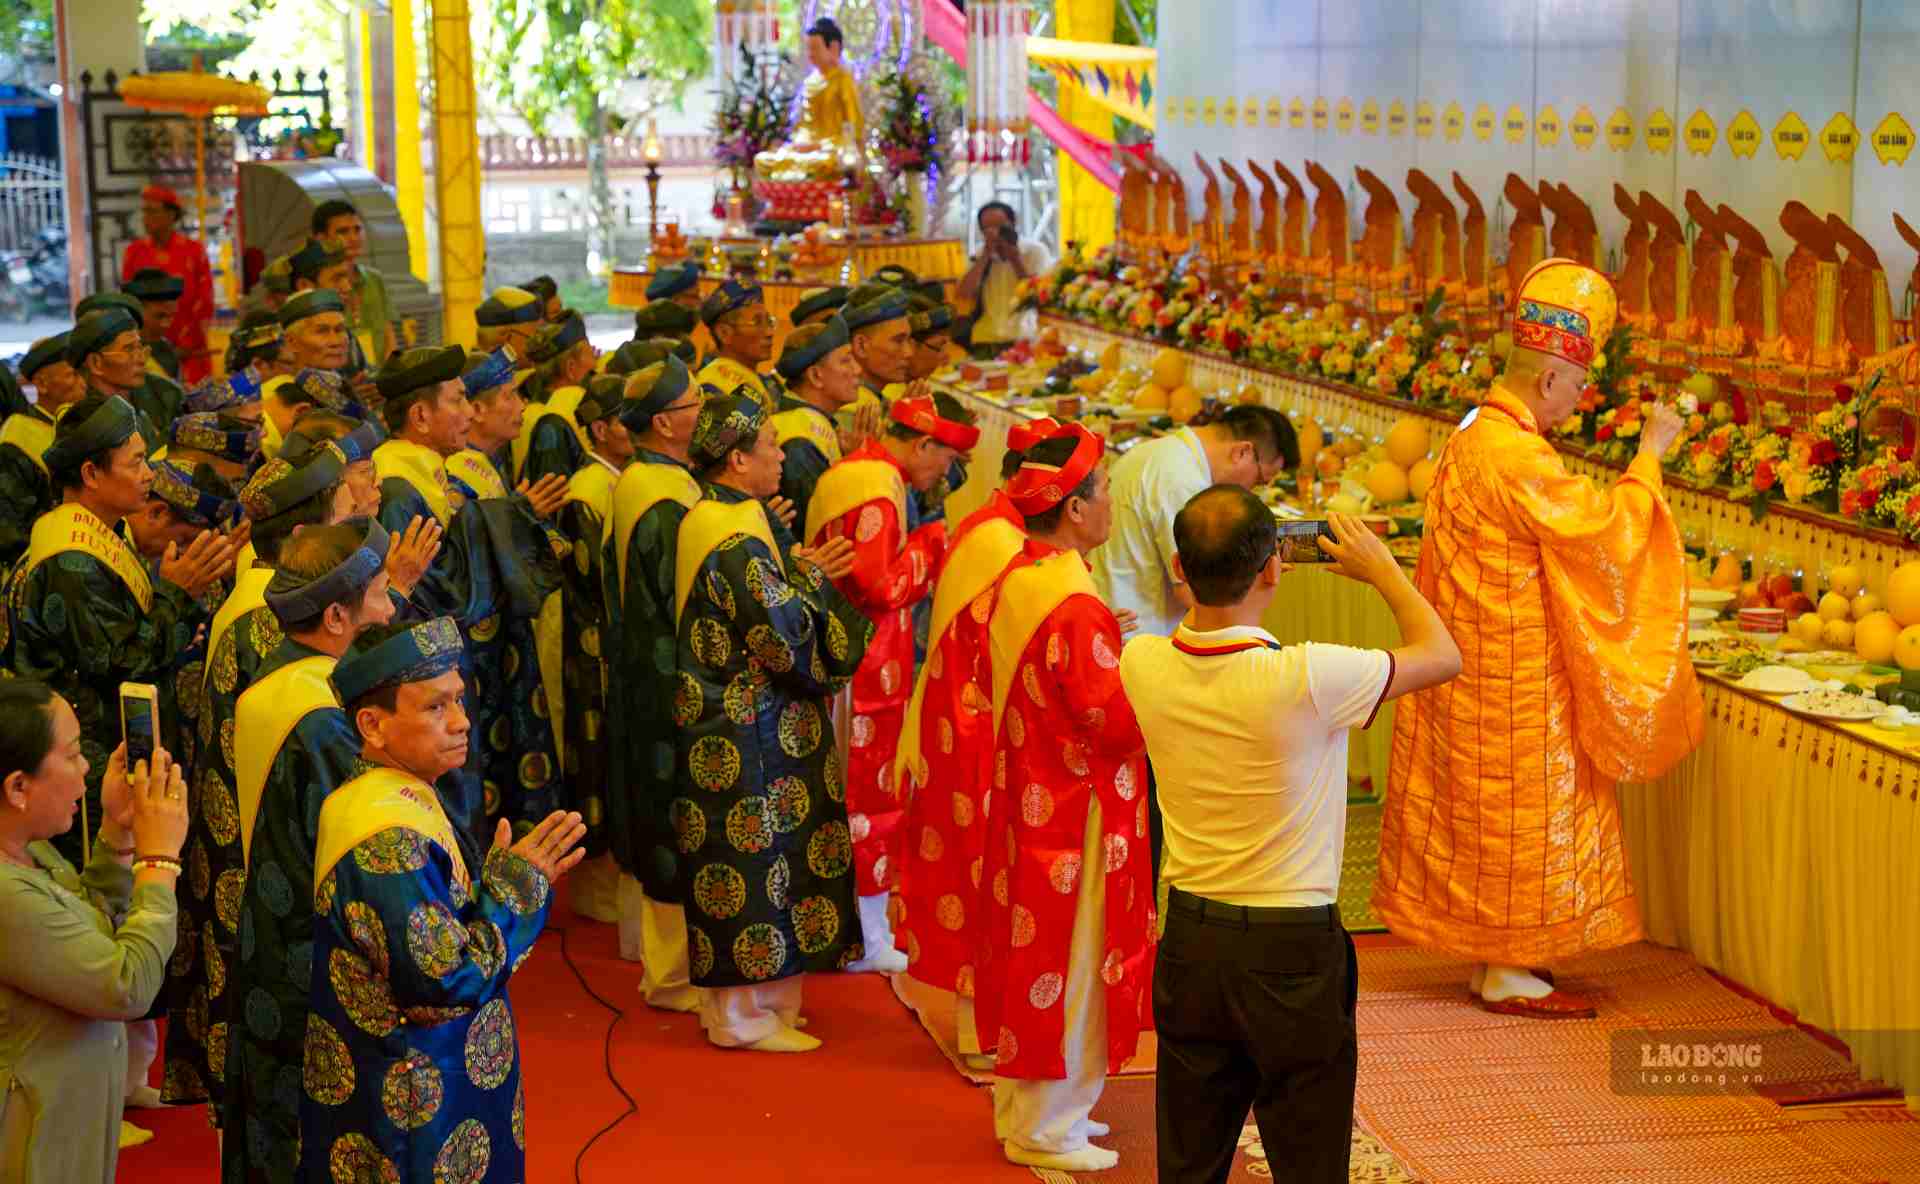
x: 832, y: 132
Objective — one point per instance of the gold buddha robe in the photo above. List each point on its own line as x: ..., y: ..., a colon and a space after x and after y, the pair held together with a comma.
x: 1500, y: 837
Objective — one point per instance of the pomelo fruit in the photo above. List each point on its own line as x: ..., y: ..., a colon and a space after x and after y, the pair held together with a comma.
x: 1833, y: 606
x: 1387, y: 482
x: 1865, y: 605
x: 1906, y: 648
x: 1151, y: 397
x: 1408, y: 442
x: 1169, y: 369
x: 1183, y: 403
x: 1874, y: 636
x: 1903, y: 593
x: 1846, y: 580
x: 1837, y: 633
x: 1806, y: 627
x: 1420, y: 479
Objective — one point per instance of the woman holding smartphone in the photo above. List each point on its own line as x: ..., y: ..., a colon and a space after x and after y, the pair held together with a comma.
x: 80, y: 954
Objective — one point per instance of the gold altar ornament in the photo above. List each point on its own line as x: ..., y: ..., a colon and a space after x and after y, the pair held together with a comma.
x: 1839, y: 137
x: 1702, y: 133
x: 1620, y: 129
x: 1483, y: 123
x: 1546, y: 128
x: 1631, y: 281
x: 1893, y: 139
x: 832, y: 131
x: 1744, y: 135
x: 1515, y: 123
x: 1790, y: 137
x: 1660, y: 132
x: 1584, y: 128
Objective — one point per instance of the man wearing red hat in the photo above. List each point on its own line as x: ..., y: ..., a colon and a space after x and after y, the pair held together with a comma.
x: 1065, y: 972
x: 1504, y: 846
x: 946, y: 753
x: 864, y: 499
x: 168, y: 250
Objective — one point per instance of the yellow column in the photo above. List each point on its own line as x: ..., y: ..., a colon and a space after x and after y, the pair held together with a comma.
x: 456, y: 173
x: 409, y: 180
x: 1086, y: 206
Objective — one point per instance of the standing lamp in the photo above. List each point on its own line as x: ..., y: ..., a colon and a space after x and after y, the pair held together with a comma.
x: 650, y: 152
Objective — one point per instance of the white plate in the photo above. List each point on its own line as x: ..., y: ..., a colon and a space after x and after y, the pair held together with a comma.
x: 1709, y: 596
x: 1837, y: 659
x: 1700, y: 616
x: 1867, y: 709
x: 1776, y: 680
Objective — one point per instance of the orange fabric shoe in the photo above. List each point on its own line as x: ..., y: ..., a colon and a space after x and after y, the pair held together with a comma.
x: 1560, y: 1005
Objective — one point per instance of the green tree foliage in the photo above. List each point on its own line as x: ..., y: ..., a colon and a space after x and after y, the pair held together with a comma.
x: 26, y: 31
x: 602, y: 63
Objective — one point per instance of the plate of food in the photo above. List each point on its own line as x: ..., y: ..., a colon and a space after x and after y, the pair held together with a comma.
x: 1709, y: 597
x: 1776, y: 680
x: 1717, y: 649
x: 1822, y: 658
x: 1699, y: 615
x: 1404, y: 547
x: 1826, y: 704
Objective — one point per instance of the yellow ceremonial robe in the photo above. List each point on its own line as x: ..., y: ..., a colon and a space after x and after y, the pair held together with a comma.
x: 727, y: 374
x: 264, y: 716
x: 563, y: 403
x: 31, y: 434
x: 1500, y: 837
x: 377, y: 800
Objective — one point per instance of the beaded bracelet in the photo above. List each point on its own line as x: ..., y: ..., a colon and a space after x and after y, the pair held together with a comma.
x: 122, y: 852
x: 162, y: 862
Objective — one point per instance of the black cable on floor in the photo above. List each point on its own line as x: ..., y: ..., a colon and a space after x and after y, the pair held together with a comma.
x: 606, y: 1053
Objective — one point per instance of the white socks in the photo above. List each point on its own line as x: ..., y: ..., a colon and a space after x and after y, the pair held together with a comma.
x: 876, y: 933
x: 1494, y: 983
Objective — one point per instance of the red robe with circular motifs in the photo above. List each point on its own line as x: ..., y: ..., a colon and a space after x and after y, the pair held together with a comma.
x: 1066, y: 737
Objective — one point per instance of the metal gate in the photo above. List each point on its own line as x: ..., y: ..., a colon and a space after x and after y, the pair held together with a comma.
x: 30, y: 198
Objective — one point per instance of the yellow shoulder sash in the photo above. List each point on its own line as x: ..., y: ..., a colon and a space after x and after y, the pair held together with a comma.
x: 1027, y: 599
x: 641, y: 487
x: 472, y: 466
x: 851, y: 484
x: 726, y: 374
x: 271, y: 439
x: 249, y: 592
x: 708, y: 525
x: 971, y: 568
x: 561, y: 403
x: 420, y: 467
x: 265, y: 716
x: 31, y: 435
x: 72, y: 527
x: 806, y: 423
x: 382, y: 799
x: 593, y: 484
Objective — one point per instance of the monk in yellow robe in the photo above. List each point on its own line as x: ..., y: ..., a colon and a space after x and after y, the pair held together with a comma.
x: 1500, y: 838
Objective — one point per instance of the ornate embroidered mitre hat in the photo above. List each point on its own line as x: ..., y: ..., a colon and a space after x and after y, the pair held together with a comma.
x: 1565, y: 309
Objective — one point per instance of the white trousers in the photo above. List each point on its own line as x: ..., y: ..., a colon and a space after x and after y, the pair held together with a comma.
x: 654, y: 934
x: 143, y: 1044
x: 736, y: 1016
x: 596, y: 889
x: 1051, y: 1116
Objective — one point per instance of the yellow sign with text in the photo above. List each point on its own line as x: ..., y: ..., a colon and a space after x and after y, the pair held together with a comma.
x: 1483, y: 123
x: 1515, y: 123
x: 1547, y: 127
x: 1250, y: 112
x: 1297, y: 114
x: 1370, y: 117
x: 1230, y: 111
x: 1423, y: 119
x: 1397, y: 119
x: 1702, y: 132
x: 1275, y: 111
x: 1744, y: 135
x: 1319, y: 114
x: 1454, y: 122
x: 1660, y: 132
x: 1620, y: 135
x: 1790, y: 137
x: 1839, y: 138
x: 1193, y: 109
x: 1893, y: 139
x: 1583, y: 128
x: 1343, y: 116
x: 1209, y: 110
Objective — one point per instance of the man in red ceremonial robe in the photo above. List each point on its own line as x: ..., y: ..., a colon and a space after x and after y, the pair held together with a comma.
x: 946, y: 753
x: 1065, y: 974
x: 864, y: 499
x: 166, y: 248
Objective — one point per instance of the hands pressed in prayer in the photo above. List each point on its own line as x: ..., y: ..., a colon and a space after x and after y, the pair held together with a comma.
x: 552, y: 846
x: 207, y: 559
x: 547, y: 494
x: 411, y: 552
x: 919, y: 388
x: 833, y: 558
x: 1127, y: 619
x: 781, y: 508
x: 239, y: 535
x: 866, y: 426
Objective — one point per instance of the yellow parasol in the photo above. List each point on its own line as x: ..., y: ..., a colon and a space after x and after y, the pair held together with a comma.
x: 200, y: 95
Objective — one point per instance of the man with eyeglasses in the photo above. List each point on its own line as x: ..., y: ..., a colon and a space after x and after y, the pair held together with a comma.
x: 659, y: 407
x: 742, y: 328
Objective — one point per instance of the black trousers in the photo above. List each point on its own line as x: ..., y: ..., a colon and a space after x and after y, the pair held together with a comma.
x: 1254, y: 1009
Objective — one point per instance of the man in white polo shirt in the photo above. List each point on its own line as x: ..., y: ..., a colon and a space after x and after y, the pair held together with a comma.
x: 1245, y: 446
x: 1255, y: 981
